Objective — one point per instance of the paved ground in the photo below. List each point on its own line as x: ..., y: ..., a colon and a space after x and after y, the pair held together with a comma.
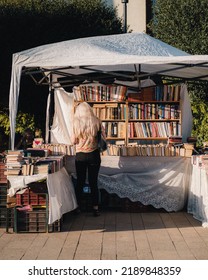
x: 113, y: 235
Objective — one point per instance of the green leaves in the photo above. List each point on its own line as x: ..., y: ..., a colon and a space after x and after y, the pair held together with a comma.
x: 4, y: 122
x: 184, y: 25
x: 23, y: 121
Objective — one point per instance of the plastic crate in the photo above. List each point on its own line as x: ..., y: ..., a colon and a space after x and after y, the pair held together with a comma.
x: 56, y: 226
x: 29, y: 197
x: 30, y: 221
x: 3, y: 195
x: 4, y: 211
x: 34, y: 221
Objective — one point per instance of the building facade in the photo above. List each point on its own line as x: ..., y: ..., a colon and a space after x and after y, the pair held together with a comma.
x: 136, y: 13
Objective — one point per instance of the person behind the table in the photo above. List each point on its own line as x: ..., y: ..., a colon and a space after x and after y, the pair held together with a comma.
x: 26, y: 140
x: 87, y: 159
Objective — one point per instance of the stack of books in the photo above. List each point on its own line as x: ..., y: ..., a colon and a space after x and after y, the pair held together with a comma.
x: 41, y: 169
x: 27, y: 169
x: 59, y: 149
x: 48, y: 165
x: 152, y: 150
x: 42, y: 165
x: 14, y: 161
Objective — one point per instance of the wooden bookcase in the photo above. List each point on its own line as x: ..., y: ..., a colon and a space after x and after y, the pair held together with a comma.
x: 152, y: 115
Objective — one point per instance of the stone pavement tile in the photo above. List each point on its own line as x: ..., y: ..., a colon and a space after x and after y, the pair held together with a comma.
x: 90, y: 241
x: 177, y: 238
x: 125, y: 243
x: 202, y: 231
x: 113, y: 235
x: 109, y: 237
x: 194, y: 241
x: 70, y: 245
x: 159, y: 240
x: 53, y: 246
x: 36, y: 246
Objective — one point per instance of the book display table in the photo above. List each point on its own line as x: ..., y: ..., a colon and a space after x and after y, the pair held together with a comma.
x: 198, y: 191
x: 162, y: 182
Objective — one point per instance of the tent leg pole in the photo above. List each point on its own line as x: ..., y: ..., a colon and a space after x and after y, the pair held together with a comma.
x: 51, y: 108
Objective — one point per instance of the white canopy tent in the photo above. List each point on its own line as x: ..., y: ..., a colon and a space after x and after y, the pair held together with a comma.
x: 136, y: 54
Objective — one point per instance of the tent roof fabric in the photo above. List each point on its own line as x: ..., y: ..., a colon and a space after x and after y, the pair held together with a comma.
x: 105, y: 53
x: 100, y: 50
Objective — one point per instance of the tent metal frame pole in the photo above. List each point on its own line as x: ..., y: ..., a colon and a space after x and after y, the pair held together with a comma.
x: 65, y: 83
x: 137, y: 76
x: 31, y: 71
x: 155, y: 72
x: 68, y: 83
x: 51, y: 106
x: 36, y: 70
x: 109, y: 73
x: 172, y: 69
x: 45, y: 80
x: 40, y: 82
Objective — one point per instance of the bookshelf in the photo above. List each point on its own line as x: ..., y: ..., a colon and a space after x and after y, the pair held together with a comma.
x: 150, y: 116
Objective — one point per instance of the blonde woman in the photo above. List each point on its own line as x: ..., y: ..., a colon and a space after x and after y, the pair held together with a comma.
x: 87, y: 159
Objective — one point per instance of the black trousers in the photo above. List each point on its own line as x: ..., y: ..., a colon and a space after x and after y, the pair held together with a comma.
x: 87, y: 163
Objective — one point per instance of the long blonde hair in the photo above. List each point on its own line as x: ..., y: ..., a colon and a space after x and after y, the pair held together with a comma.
x: 86, y: 124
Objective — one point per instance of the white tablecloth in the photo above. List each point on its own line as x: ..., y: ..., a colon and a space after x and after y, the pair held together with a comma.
x: 198, y: 195
x: 159, y: 181
x: 62, y: 197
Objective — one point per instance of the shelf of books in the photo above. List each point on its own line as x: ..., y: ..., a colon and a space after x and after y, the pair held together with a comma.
x: 157, y: 106
x: 109, y: 105
x: 151, y: 116
x: 154, y: 114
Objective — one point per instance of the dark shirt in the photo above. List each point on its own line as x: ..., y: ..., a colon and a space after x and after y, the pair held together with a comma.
x: 24, y: 143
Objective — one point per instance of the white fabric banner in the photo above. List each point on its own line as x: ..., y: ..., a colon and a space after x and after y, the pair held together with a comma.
x: 61, y: 192
x: 62, y: 129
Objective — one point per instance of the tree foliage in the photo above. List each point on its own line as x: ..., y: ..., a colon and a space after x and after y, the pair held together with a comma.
x: 23, y: 121
x: 198, y: 95
x: 29, y: 23
x: 184, y: 25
